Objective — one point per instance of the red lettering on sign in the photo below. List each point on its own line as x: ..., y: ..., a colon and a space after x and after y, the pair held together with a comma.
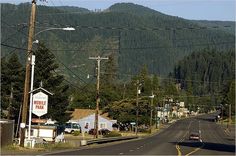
x: 40, y: 102
x: 39, y: 107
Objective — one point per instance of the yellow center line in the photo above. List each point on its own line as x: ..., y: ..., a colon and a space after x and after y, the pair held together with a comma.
x: 178, y: 149
x: 177, y: 146
x: 195, y: 150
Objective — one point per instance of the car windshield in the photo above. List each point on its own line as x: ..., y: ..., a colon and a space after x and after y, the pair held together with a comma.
x: 195, y: 134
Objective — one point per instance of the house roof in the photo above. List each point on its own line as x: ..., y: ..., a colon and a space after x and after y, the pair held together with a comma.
x: 81, y: 113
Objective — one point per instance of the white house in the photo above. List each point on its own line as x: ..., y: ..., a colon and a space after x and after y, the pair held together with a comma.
x: 86, y: 119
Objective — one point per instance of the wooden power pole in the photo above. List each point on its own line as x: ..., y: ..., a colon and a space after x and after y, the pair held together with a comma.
x: 10, y: 103
x: 27, y: 73
x: 137, y: 109
x: 97, y: 97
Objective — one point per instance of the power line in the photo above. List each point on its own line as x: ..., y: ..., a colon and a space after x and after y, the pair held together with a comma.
x: 161, y: 77
x: 106, y: 73
x: 14, y: 29
x: 154, y: 47
x: 70, y: 71
x: 146, y: 28
x: 9, y: 46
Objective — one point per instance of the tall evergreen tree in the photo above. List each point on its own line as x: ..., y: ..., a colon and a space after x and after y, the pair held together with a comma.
x: 231, y: 96
x: 45, y: 71
x: 12, y: 80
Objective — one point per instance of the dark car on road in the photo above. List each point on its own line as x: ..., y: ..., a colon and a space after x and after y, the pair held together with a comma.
x: 194, y: 136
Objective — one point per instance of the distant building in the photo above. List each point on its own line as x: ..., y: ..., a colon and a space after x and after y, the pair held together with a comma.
x: 183, y: 112
x: 181, y: 104
x: 86, y: 119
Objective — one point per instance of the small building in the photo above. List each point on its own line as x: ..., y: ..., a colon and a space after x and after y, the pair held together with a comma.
x: 86, y: 119
x: 181, y: 104
x: 47, y: 133
x: 183, y: 112
x: 175, y: 111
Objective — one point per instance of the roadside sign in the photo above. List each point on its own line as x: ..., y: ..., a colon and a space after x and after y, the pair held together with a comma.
x: 132, y: 123
x: 40, y: 104
x: 35, y: 120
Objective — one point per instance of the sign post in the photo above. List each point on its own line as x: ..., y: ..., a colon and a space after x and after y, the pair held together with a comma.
x: 38, y: 105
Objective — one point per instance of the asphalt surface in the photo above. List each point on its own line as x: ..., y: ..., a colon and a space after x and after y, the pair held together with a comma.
x: 172, y: 141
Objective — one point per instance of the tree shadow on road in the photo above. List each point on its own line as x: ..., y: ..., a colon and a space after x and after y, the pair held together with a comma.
x: 209, y: 146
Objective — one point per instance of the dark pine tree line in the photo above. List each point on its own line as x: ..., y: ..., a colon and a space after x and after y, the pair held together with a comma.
x: 207, y: 73
x: 12, y: 76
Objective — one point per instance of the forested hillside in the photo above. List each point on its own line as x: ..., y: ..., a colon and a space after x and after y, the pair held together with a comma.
x: 207, y: 75
x: 227, y: 26
x: 208, y: 71
x: 161, y: 55
x: 134, y: 34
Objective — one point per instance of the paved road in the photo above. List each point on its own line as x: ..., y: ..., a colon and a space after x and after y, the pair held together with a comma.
x: 172, y: 141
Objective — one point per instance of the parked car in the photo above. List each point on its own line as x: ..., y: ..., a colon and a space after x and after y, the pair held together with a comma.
x: 103, y: 131
x: 92, y: 131
x: 194, y: 136
x: 72, y: 127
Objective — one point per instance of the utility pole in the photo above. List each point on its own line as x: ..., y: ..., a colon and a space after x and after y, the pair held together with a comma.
x: 137, y: 93
x: 222, y: 114
x: 229, y: 120
x: 119, y: 41
x: 124, y: 91
x: 10, y: 103
x: 152, y: 96
x: 97, y: 97
x: 27, y: 73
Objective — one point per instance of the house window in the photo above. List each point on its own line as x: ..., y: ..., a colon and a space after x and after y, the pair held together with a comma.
x: 103, y: 125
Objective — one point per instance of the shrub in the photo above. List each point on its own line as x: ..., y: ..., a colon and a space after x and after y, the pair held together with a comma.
x: 144, y: 130
x: 76, y: 133
x: 113, y: 134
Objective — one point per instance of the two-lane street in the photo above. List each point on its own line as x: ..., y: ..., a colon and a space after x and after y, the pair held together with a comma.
x: 172, y: 141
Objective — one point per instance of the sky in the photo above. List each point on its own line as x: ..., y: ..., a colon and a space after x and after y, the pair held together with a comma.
x: 222, y: 10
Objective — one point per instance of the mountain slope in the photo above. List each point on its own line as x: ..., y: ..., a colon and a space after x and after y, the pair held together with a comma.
x: 136, y: 35
x: 227, y: 26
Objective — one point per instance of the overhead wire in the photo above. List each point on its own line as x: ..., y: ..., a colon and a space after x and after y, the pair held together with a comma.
x: 160, y: 77
x: 136, y: 48
x: 144, y: 28
x: 106, y: 73
x: 154, y: 47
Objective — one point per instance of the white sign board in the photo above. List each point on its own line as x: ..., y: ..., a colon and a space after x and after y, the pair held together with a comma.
x: 40, y: 104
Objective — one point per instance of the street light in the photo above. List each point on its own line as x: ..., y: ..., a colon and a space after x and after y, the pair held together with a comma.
x: 65, y: 29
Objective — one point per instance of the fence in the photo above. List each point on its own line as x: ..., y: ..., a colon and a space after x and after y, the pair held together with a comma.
x: 6, y: 132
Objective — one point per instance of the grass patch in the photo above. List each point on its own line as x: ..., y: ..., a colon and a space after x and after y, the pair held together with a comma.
x: 76, y: 133
x: 16, y: 149
x: 55, y: 146
x: 113, y: 134
x: 39, y: 148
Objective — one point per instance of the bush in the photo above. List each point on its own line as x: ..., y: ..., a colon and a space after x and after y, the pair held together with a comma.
x: 113, y: 134
x: 144, y: 130
x: 76, y: 133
